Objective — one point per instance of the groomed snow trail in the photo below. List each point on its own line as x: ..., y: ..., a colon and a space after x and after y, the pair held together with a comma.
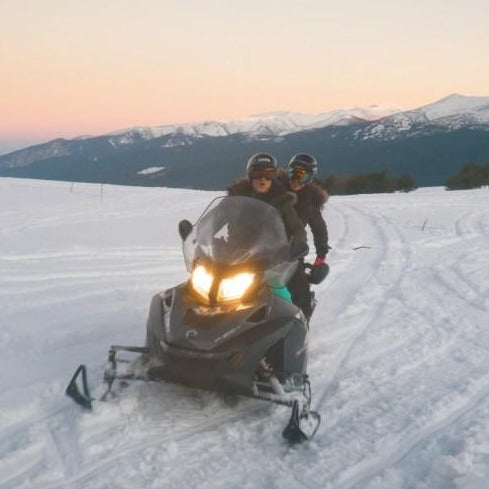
x: 399, y: 348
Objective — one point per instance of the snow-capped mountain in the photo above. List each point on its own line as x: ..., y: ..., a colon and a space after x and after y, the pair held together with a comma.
x: 456, y: 104
x: 430, y: 143
x: 449, y: 113
x: 259, y: 127
x: 273, y: 125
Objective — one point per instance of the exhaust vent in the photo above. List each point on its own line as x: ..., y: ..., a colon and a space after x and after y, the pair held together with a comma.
x: 258, y: 316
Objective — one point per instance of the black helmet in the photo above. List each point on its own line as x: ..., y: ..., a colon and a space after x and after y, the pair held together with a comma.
x: 262, y: 164
x: 302, y: 167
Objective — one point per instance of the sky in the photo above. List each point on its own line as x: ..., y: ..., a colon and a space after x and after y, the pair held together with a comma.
x: 73, y: 67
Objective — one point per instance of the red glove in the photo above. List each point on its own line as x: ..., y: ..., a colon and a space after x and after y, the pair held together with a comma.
x: 319, y: 270
x: 319, y: 261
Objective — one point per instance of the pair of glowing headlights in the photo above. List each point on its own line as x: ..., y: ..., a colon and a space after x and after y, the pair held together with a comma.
x: 230, y: 289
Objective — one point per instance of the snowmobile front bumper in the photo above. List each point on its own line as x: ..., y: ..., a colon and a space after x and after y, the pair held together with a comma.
x: 218, y: 370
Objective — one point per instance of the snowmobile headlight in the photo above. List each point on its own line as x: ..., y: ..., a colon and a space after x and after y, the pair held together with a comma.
x: 202, y: 281
x: 235, y: 287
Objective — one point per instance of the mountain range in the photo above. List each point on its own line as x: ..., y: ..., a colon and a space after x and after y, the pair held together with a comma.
x: 429, y: 143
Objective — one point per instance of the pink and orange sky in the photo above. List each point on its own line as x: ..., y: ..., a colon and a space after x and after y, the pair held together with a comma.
x: 76, y: 67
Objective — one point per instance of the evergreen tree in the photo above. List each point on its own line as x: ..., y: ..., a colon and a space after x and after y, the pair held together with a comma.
x: 368, y: 183
x: 406, y: 183
x: 470, y: 176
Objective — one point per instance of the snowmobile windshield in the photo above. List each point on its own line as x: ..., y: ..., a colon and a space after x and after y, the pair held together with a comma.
x: 235, y: 231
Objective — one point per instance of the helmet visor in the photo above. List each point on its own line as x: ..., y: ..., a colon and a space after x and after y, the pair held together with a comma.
x: 299, y: 174
x: 258, y: 172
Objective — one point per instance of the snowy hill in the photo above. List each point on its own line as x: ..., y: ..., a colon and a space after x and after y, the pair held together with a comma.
x: 456, y: 104
x: 274, y: 124
x: 450, y: 113
x: 399, y: 347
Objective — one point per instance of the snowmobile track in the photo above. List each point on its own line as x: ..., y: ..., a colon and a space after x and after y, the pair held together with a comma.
x: 389, y: 240
x: 394, y: 453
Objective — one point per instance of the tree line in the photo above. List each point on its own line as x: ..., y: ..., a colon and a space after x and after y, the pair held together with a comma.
x: 470, y: 176
x: 367, y: 183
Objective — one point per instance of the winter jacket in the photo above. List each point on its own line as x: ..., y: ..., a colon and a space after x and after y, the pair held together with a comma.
x: 310, y: 202
x: 279, y: 198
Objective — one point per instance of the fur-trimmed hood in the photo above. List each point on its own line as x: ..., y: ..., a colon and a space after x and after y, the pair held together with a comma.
x: 319, y: 196
x: 313, y: 193
x: 277, y: 196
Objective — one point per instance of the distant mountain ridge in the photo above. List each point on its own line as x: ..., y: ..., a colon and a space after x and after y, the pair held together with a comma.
x: 430, y: 143
x: 271, y: 125
x: 450, y: 113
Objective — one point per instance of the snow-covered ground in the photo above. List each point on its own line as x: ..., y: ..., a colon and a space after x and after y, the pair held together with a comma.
x: 399, y: 348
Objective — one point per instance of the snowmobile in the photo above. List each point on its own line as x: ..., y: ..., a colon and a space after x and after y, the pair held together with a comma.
x: 229, y: 328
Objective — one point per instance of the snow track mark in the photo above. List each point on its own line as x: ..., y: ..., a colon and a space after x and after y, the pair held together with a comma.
x: 393, y: 452
x: 387, y: 261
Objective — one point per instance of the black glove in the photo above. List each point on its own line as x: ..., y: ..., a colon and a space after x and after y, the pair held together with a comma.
x: 319, y: 271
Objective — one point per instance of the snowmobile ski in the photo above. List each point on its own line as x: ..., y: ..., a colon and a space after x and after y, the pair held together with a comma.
x: 83, y: 397
x: 81, y: 394
x: 302, y: 426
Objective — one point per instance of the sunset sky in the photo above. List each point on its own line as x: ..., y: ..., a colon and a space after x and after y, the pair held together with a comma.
x: 75, y: 67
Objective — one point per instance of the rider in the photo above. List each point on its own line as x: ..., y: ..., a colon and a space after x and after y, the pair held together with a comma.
x: 301, y: 170
x: 261, y: 183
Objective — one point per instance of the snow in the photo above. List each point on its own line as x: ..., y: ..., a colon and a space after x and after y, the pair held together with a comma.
x: 450, y: 113
x: 151, y: 170
x: 272, y: 123
x: 456, y: 104
x: 399, y: 347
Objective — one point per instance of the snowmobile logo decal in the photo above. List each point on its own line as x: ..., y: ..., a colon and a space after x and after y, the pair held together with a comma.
x: 223, y: 233
x: 227, y: 333
x: 191, y: 333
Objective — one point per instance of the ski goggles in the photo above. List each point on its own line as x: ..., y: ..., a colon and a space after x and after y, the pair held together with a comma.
x: 299, y: 174
x: 267, y: 173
